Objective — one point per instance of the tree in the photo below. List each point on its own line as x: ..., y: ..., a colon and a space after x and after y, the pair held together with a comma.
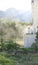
x: 11, y: 46
x: 2, y: 33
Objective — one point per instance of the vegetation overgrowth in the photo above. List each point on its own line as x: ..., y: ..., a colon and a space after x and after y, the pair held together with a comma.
x: 12, y: 53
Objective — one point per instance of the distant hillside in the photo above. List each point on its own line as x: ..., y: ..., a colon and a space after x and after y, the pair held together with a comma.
x: 12, y: 13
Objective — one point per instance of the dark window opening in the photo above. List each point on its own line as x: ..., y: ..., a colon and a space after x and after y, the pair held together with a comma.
x: 32, y: 1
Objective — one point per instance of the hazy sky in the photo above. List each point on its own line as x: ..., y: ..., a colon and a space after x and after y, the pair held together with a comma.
x: 23, y: 5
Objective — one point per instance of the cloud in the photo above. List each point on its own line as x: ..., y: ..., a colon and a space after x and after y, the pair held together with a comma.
x: 23, y: 5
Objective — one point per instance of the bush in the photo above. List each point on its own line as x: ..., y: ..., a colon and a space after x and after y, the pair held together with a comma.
x: 35, y: 45
x: 10, y: 46
x: 7, y: 61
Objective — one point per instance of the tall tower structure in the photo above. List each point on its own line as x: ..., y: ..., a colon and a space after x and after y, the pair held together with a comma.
x: 30, y: 36
x: 35, y: 13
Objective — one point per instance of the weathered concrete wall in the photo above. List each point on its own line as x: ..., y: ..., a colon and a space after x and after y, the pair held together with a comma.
x: 29, y: 39
x: 35, y: 12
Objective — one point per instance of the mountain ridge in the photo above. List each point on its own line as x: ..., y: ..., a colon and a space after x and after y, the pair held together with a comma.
x: 12, y: 13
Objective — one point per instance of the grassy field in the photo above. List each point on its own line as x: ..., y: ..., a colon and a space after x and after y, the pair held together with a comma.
x: 19, y: 59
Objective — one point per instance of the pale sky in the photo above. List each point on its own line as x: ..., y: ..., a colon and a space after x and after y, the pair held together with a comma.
x: 23, y: 5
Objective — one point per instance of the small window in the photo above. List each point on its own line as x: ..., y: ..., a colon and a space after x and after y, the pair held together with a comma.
x: 37, y: 26
x: 32, y: 1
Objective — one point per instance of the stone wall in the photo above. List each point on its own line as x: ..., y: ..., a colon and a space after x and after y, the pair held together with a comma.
x: 29, y: 39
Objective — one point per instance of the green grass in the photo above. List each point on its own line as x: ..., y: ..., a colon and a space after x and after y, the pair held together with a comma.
x: 19, y: 59
x: 7, y: 61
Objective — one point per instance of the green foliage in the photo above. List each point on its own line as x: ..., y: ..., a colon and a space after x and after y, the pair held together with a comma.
x: 27, y: 59
x: 35, y: 45
x: 25, y: 23
x: 36, y: 36
x: 10, y: 46
x: 6, y: 61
